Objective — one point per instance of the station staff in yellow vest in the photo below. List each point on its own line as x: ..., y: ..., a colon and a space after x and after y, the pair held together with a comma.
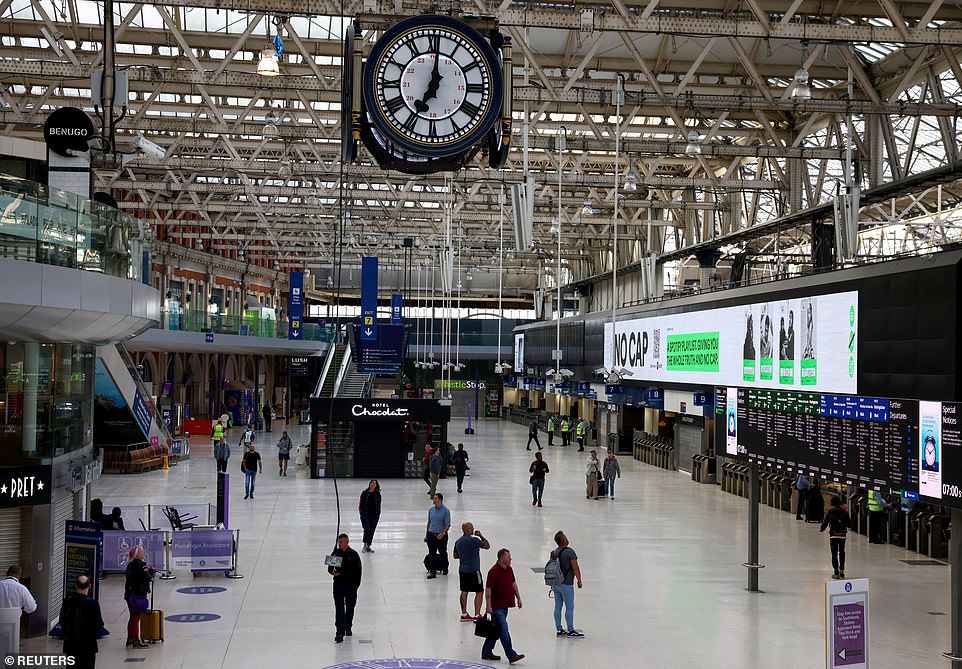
x: 580, y: 434
x: 550, y: 430
x: 565, y: 431
x: 877, y: 508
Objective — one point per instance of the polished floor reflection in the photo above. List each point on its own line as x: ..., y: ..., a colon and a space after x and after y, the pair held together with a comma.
x: 663, y: 581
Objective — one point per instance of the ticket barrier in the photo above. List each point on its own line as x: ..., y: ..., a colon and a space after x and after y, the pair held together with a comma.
x: 741, y: 486
x: 896, y: 526
x: 932, y: 536
x: 664, y: 456
x: 912, y: 527
x: 728, y: 477
x: 783, y: 492
x: 859, y: 512
x: 703, y: 468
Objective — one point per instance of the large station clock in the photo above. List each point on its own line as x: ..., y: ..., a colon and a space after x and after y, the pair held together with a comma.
x: 432, y: 87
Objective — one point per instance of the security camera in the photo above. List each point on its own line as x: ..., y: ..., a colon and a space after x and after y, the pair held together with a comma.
x: 148, y: 148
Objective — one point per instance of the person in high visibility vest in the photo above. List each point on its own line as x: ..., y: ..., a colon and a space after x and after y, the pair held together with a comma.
x: 565, y: 431
x: 550, y: 430
x: 221, y: 447
x: 580, y: 433
x: 877, y: 508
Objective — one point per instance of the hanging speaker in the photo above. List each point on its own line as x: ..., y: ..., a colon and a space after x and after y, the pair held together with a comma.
x: 522, y: 213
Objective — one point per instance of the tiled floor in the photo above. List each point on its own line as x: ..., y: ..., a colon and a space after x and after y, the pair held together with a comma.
x: 663, y: 581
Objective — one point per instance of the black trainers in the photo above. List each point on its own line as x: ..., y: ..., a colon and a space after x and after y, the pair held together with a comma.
x: 338, y: 639
x: 560, y: 633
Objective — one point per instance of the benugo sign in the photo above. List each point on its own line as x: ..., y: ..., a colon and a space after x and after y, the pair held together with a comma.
x: 751, y: 345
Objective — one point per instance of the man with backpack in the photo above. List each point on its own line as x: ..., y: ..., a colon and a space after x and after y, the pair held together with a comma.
x: 560, y: 573
x: 838, y: 522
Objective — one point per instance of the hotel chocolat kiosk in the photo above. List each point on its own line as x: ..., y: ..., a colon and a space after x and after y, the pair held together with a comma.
x: 373, y: 438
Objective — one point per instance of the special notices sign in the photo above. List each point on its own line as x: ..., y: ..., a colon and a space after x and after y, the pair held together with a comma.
x: 807, y: 344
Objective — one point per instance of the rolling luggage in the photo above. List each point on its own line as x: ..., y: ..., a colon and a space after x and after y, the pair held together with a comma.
x: 440, y: 562
x: 152, y: 623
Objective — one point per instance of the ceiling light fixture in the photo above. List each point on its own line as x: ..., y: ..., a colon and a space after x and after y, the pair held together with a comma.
x: 631, y: 182
x: 269, y: 64
x: 801, y: 90
x: 270, y: 124
x: 693, y: 148
x: 587, y: 209
x: 286, y: 167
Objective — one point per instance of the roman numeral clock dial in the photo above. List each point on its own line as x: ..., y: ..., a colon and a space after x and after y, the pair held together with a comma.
x: 432, y: 87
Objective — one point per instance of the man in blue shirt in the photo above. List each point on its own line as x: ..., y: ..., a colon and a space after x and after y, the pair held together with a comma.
x: 467, y: 549
x: 439, y: 522
x: 801, y: 484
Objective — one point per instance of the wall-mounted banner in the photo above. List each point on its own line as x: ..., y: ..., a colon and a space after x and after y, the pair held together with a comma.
x: 202, y: 550
x: 295, y: 306
x: 25, y: 486
x: 397, y: 309
x: 808, y: 343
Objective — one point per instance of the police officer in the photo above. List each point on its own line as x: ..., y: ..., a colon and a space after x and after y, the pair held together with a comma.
x: 221, y: 448
x: 580, y: 433
x: 565, y: 431
x: 550, y: 430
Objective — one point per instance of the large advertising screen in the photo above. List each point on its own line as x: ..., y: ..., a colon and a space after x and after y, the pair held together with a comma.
x: 807, y: 344
x: 906, y: 446
x: 519, y: 353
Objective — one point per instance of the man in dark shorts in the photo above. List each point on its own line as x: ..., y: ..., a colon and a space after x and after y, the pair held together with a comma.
x: 467, y: 549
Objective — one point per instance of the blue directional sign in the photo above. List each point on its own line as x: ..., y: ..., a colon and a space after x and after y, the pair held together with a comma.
x: 397, y: 307
x: 383, y: 355
x: 368, y: 327
x: 295, y: 306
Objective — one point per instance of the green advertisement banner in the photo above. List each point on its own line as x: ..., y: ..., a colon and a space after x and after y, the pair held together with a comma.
x: 696, y: 352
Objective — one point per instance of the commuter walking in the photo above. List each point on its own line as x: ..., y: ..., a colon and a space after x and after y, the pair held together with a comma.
x: 460, y: 459
x: 550, y: 430
x: 347, y: 579
x: 436, y: 537
x: 370, y: 510
x: 564, y: 594
x: 538, y: 469
x: 467, y: 550
x: 533, y: 433
x: 801, y: 485
x: 435, y: 465
x: 284, y: 446
x: 592, y: 467
x: 501, y: 593
x: 837, y: 521
x: 14, y: 594
x: 136, y: 588
x: 268, y: 413
x: 221, y: 448
x: 565, y: 432
x: 81, y: 621
x: 251, y: 464
x: 426, y: 465
x: 247, y: 436
x: 877, y: 511
x: 610, y: 470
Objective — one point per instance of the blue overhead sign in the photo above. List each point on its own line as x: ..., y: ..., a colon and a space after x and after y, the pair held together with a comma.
x: 397, y: 309
x: 383, y: 355
x: 368, y: 327
x: 295, y: 306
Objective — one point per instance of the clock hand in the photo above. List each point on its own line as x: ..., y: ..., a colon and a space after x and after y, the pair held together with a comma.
x: 433, y: 85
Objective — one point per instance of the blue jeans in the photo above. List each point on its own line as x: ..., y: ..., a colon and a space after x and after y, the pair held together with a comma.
x: 249, y: 477
x: 537, y: 488
x: 564, y: 594
x: 499, y: 616
x: 610, y: 487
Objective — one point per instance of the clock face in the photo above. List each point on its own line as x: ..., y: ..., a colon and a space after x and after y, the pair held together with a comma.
x: 432, y: 85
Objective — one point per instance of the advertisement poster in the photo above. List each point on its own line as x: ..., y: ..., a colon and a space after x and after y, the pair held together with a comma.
x: 118, y: 542
x: 82, y: 555
x: 113, y: 421
x: 930, y: 449
x: 202, y: 550
x: 519, y: 351
x: 731, y: 421
x: 807, y: 344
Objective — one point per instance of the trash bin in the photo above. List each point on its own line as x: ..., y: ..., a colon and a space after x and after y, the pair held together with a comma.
x: 305, y: 416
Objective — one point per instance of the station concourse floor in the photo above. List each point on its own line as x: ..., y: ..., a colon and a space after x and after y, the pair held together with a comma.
x: 661, y: 563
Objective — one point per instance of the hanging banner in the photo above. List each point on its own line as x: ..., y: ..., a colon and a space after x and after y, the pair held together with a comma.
x: 202, y: 550
x: 397, y: 308
x: 368, y: 329
x: 384, y: 354
x: 295, y: 306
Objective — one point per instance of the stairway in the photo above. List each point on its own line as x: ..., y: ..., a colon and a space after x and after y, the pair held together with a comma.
x: 355, y: 384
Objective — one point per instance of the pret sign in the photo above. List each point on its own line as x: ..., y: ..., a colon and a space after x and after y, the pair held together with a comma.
x: 25, y: 486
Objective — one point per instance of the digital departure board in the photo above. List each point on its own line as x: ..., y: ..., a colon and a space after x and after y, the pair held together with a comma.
x: 868, y: 442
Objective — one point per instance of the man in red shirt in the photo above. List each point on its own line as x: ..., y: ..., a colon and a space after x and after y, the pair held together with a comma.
x: 500, y: 593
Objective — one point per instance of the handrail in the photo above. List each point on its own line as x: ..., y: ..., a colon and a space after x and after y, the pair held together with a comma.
x: 319, y: 388
x: 343, y: 371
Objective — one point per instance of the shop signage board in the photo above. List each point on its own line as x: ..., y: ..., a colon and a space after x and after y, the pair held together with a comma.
x: 25, y: 486
x: 67, y: 131
x: 806, y: 344
x: 299, y: 366
x: 847, y: 624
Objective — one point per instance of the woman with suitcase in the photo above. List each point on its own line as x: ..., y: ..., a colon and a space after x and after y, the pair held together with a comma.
x: 136, y: 589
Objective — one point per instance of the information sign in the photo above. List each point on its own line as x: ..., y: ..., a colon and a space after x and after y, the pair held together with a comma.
x: 847, y: 624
